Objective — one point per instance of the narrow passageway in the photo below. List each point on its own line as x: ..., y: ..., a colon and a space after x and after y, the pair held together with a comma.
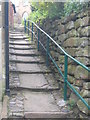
x: 34, y: 91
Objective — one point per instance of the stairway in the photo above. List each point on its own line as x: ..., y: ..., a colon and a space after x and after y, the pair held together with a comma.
x: 34, y: 90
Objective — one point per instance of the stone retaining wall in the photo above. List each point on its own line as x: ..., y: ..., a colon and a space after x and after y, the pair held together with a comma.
x: 73, y: 34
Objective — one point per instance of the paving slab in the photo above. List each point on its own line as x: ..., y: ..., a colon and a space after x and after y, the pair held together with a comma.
x: 16, y: 37
x: 16, y: 34
x: 20, y: 46
x: 33, y: 80
x: 26, y: 51
x: 39, y: 102
x: 28, y: 59
x: 18, y: 42
x: 31, y: 67
x: 37, y: 81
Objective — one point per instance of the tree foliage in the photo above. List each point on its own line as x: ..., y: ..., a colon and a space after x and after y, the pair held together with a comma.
x: 42, y: 10
x: 74, y: 6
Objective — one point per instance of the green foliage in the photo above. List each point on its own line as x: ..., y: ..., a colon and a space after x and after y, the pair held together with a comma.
x: 43, y: 10
x: 40, y: 11
x: 22, y: 22
x: 74, y: 6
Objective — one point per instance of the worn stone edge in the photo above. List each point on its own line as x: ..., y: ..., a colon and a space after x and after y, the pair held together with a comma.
x: 4, y: 112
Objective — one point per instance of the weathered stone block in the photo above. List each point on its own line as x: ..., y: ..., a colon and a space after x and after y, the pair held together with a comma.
x: 61, y: 59
x: 77, y: 23
x: 86, y: 85
x: 84, y: 41
x: 85, y: 31
x: 69, y: 25
x: 71, y: 51
x: 81, y: 73
x: 77, y: 89
x: 85, y: 21
x: 62, y: 37
x: 72, y: 42
x: 83, y: 52
x: 78, y: 83
x: 85, y: 93
x: 71, y: 79
x: 61, y: 29
x: 72, y: 33
x: 82, y: 107
x: 83, y: 60
x: 71, y: 69
x: 53, y: 34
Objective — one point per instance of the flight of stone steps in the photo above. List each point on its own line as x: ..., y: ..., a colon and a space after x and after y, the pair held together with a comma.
x: 34, y: 90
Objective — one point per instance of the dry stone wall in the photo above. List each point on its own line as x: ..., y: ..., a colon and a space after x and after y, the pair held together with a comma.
x: 72, y: 33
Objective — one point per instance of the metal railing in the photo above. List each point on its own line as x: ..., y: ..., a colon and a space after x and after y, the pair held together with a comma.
x: 48, y: 56
x: 7, y: 89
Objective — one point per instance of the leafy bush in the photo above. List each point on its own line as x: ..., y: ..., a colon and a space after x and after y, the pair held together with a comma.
x: 74, y: 6
x: 42, y: 10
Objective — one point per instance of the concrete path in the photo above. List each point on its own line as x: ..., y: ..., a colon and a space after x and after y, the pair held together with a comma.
x: 35, y: 92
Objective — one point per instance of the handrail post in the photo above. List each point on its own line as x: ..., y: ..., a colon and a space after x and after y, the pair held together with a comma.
x: 32, y: 31
x: 25, y: 25
x: 38, y: 38
x: 65, y: 76
x: 47, y: 52
x: 28, y: 27
x: 7, y: 88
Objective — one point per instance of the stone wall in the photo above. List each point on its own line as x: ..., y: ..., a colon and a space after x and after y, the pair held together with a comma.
x: 73, y: 34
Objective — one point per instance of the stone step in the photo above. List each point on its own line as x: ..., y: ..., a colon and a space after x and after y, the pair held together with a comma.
x: 21, y: 46
x: 16, y: 34
x: 26, y: 62
x: 17, y: 48
x: 26, y: 58
x: 33, y: 89
x: 29, y: 68
x: 38, y: 82
x: 42, y: 105
x: 21, y: 54
x: 30, y: 72
x: 18, y: 37
x: 25, y: 51
x: 20, y: 43
x: 47, y: 115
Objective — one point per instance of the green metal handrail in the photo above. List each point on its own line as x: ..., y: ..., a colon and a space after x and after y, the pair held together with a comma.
x: 65, y: 58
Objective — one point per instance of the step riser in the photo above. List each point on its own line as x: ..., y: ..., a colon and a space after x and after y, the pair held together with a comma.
x: 31, y: 62
x: 22, y: 48
x: 47, y: 115
x: 23, y: 54
x: 22, y: 72
x: 20, y: 44
x: 35, y: 89
x: 18, y: 38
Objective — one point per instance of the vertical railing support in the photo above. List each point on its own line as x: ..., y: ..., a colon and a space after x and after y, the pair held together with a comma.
x: 65, y: 76
x: 38, y: 39
x: 7, y: 89
x: 28, y: 27
x: 25, y: 25
x: 32, y: 31
x: 47, y: 52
